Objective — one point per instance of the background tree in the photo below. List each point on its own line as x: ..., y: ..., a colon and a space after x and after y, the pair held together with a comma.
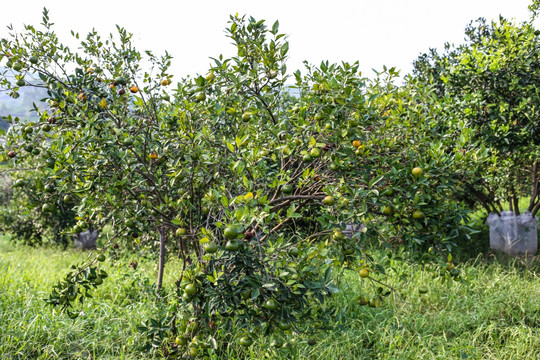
x: 490, y: 83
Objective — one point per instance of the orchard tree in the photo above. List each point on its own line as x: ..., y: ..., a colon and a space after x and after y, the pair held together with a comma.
x: 262, y: 195
x: 490, y: 83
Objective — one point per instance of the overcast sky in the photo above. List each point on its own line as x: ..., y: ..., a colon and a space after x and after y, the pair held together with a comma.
x: 374, y: 32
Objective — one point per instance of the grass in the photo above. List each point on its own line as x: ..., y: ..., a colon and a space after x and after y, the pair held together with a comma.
x: 494, y: 314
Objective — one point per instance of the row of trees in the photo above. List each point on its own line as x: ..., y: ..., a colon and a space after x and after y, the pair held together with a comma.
x: 251, y: 187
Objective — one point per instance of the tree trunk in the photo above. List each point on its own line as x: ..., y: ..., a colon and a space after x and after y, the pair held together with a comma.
x: 534, y: 192
x: 161, y: 265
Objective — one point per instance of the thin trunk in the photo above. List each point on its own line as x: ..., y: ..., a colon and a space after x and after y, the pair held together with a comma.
x: 510, y: 203
x: 535, y: 209
x: 500, y: 207
x: 161, y: 265
x: 515, y: 201
x: 534, y: 192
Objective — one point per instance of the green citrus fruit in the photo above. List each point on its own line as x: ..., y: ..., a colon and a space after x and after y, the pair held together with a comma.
x: 417, y: 172
x: 190, y: 289
x: 210, y: 248
x: 101, y: 258
x: 270, y: 305
x: 307, y: 158
x: 284, y: 325
x: 246, y: 341
x: 230, y: 232
x: 181, y: 232
x: 287, y: 189
x: 128, y: 141
x: 33, y: 60
x: 387, y: 210
x: 186, y: 297
x: 232, y: 245
x: 418, y: 214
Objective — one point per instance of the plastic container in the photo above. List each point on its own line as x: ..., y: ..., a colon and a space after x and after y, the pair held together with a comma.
x: 86, y: 239
x: 528, y: 233
x: 514, y: 235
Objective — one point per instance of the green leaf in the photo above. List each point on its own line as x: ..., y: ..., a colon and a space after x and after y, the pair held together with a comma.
x: 275, y: 28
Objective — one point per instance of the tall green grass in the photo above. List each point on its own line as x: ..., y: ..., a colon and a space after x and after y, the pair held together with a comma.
x: 494, y: 314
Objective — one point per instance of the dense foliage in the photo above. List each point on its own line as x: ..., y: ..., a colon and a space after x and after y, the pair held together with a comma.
x: 262, y: 195
x: 490, y: 83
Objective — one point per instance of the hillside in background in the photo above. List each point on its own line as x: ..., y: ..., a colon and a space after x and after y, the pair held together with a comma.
x: 22, y: 106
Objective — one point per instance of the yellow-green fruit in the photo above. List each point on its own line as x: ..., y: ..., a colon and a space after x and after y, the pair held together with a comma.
x: 246, y: 116
x: 193, y: 351
x: 387, y: 210
x: 418, y: 214
x: 181, y: 232
x: 200, y: 96
x: 181, y: 340
x: 315, y: 152
x: 417, y: 172
x: 329, y: 200
x: 364, y: 273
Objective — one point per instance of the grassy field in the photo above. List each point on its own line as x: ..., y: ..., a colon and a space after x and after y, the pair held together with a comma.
x: 495, y: 314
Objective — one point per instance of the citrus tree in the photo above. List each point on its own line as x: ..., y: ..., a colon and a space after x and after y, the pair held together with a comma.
x: 490, y: 84
x: 263, y: 195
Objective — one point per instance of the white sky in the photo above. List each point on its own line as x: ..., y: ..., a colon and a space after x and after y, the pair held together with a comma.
x: 374, y: 32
